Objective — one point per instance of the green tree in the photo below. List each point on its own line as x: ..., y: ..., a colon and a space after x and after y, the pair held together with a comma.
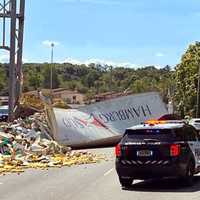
x: 186, y: 78
x: 3, y: 78
x: 46, y: 73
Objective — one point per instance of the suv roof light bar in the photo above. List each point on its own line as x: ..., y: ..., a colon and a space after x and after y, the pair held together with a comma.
x: 154, y: 122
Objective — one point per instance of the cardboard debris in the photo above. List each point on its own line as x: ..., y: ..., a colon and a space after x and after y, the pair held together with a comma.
x: 26, y: 144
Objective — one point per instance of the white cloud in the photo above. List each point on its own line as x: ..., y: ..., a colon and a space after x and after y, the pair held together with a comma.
x: 25, y: 60
x: 159, y: 54
x: 72, y: 61
x: 4, y: 58
x: 101, y: 62
x: 48, y: 43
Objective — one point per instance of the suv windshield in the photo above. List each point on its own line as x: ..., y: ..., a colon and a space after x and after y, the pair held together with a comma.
x: 149, y: 132
x: 158, y: 134
x: 186, y: 133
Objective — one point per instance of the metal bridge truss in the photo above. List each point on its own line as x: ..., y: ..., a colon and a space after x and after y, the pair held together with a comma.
x: 11, y: 40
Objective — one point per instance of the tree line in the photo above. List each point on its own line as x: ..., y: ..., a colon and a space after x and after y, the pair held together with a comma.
x: 91, y: 80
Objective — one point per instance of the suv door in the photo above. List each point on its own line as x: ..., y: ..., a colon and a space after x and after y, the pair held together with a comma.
x: 192, y: 138
x: 197, y: 149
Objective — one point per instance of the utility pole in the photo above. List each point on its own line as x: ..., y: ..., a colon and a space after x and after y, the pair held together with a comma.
x: 12, y: 15
x: 198, y: 95
x: 51, y: 75
x: 111, y: 78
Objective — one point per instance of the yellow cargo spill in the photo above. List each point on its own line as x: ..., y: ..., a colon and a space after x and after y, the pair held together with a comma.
x: 8, y: 164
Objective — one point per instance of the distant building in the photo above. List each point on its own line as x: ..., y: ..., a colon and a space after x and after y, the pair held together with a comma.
x: 71, y: 97
x: 68, y: 96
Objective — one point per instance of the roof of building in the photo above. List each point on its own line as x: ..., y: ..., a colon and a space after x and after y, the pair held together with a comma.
x: 56, y: 91
x: 66, y: 91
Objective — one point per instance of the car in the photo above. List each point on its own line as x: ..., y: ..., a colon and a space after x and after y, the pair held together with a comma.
x: 196, y: 123
x: 158, y: 149
x: 3, y: 113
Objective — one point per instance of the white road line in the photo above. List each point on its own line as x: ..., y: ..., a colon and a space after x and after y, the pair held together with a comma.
x: 108, y: 172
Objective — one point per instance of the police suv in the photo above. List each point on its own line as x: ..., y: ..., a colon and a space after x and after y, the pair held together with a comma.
x: 158, y: 149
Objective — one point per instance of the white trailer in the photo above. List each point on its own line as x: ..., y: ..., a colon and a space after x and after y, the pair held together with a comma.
x: 103, y: 123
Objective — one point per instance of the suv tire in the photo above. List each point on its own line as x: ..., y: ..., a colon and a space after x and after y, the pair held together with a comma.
x: 125, y: 182
x: 188, y: 179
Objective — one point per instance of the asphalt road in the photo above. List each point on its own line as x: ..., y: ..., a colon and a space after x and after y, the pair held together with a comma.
x: 93, y: 182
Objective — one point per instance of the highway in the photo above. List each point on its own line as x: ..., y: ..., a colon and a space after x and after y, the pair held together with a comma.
x: 94, y: 182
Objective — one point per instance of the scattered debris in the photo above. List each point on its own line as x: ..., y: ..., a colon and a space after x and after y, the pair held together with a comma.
x: 27, y: 144
x: 32, y: 100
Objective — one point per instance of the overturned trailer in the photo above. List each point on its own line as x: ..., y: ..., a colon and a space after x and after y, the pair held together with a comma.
x: 103, y: 123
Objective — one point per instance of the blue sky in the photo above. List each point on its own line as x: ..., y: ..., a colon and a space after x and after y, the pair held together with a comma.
x: 121, y: 32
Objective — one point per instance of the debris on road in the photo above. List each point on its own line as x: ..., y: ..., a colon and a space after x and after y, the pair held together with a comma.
x: 27, y: 144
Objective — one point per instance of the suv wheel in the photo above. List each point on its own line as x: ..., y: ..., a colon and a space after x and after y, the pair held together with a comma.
x: 125, y: 182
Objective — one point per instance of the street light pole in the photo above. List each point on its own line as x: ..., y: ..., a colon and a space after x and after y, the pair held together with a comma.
x: 111, y: 77
x: 51, y: 75
x: 198, y: 96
